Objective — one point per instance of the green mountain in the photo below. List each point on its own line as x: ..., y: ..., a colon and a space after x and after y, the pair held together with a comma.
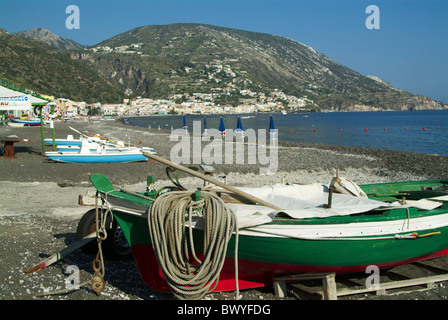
x: 230, y: 66
x: 37, y: 66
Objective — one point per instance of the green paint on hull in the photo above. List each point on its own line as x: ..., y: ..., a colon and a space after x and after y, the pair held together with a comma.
x: 323, y: 253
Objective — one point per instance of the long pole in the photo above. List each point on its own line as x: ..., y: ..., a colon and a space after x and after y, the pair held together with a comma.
x: 211, y: 180
x: 42, y: 128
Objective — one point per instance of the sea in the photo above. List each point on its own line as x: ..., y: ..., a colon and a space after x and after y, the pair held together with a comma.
x: 414, y: 131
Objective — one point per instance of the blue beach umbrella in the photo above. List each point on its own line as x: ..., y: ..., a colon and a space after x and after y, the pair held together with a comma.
x: 205, y: 125
x: 239, y: 126
x: 271, y: 127
x: 222, y: 128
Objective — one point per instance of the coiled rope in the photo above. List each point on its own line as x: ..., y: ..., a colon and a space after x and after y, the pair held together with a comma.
x: 172, y: 238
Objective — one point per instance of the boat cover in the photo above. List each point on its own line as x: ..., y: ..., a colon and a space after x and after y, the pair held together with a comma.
x: 308, y: 201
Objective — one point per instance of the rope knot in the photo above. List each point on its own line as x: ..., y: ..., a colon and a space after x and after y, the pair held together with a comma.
x: 196, y: 207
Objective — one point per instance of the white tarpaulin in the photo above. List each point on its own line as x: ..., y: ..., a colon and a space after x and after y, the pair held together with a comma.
x: 304, y: 201
x: 308, y: 201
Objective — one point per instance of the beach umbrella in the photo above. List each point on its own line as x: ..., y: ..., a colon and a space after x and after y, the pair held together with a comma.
x: 272, y: 127
x: 239, y: 126
x: 222, y: 128
x: 185, y: 126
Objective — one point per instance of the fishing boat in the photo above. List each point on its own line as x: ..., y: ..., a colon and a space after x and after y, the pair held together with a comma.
x: 289, y: 229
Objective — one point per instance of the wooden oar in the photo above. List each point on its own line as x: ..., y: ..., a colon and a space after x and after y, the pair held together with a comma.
x: 211, y: 180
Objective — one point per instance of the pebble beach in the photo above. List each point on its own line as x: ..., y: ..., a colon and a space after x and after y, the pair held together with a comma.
x: 39, y: 208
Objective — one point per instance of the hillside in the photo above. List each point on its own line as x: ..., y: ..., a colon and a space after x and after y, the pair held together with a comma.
x: 159, y: 61
x: 229, y: 66
x: 39, y: 67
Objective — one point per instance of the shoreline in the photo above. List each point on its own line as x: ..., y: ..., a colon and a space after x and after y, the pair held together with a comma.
x: 39, y: 209
x: 32, y: 165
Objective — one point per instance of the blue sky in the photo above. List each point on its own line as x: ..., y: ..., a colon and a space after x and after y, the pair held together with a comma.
x: 410, y: 50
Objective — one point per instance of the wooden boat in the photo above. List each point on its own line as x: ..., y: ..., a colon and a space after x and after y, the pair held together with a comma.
x: 386, y: 225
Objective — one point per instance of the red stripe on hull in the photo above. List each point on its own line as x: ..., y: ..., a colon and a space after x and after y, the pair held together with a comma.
x: 251, y: 274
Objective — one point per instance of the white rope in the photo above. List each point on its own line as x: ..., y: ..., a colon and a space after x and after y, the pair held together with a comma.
x: 173, y: 243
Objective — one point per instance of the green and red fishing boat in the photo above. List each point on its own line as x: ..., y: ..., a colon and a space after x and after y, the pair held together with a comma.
x: 313, y: 229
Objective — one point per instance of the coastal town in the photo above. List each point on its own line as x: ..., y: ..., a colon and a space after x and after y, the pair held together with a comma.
x: 197, y: 103
x: 250, y: 98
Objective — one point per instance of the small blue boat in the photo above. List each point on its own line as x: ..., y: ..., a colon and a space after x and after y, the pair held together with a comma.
x: 26, y: 122
x: 100, y: 155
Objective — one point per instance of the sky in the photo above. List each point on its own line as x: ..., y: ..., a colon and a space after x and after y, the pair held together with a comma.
x: 407, y: 48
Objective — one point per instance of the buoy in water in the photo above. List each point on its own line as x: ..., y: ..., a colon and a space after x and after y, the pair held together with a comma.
x: 385, y: 129
x: 314, y: 130
x: 290, y: 131
x: 340, y: 130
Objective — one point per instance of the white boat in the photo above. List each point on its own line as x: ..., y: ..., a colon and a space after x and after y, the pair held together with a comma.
x: 71, y: 141
x: 100, y: 155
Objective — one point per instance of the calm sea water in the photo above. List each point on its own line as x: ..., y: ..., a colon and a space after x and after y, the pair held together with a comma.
x: 414, y: 131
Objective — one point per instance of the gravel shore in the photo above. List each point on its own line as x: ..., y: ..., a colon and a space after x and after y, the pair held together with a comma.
x: 39, y: 208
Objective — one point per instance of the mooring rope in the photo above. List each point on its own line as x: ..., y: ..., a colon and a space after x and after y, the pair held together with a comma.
x: 173, y: 243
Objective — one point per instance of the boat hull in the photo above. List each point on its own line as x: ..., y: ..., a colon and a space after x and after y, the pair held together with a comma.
x: 286, y: 255
x: 95, y: 158
x: 64, y: 142
x: 31, y: 123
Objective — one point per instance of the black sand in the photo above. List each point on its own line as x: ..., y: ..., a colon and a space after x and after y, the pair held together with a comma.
x: 39, y: 211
